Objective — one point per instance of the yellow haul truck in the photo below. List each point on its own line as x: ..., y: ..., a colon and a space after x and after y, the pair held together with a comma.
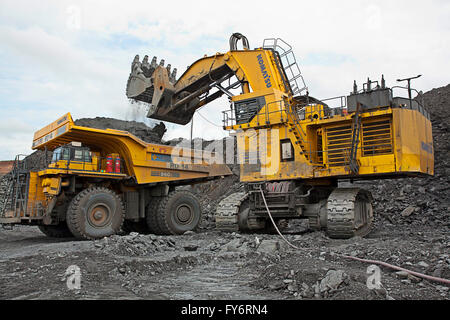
x: 99, y: 181
x: 294, y: 148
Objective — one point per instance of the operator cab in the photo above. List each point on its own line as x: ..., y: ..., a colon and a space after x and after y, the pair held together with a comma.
x: 73, y: 152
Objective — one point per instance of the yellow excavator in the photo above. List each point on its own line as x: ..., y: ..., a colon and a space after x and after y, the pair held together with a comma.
x: 294, y: 148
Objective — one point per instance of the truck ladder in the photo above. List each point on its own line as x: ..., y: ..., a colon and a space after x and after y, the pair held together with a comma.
x: 13, y: 192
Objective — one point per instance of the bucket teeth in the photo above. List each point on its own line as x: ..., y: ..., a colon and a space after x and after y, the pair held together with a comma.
x: 173, y: 75
x: 135, y: 63
x: 153, y: 63
x: 145, y: 63
x: 139, y: 85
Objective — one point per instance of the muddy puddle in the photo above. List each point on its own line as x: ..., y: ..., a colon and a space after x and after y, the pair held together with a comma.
x: 216, y: 280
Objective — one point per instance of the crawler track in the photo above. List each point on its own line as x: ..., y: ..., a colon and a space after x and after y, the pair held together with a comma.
x: 349, y: 213
x: 227, y: 212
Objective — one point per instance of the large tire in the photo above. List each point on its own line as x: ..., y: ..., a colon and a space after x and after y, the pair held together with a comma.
x: 178, y: 212
x: 151, y: 215
x: 95, y: 213
x: 57, y: 231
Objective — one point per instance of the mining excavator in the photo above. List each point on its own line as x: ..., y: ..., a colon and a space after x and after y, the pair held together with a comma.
x: 294, y: 149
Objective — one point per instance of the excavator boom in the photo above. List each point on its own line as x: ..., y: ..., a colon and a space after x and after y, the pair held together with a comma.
x: 176, y: 101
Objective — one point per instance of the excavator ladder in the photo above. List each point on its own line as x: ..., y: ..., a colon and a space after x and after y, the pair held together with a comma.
x: 289, y: 64
x: 294, y: 81
x: 353, y: 163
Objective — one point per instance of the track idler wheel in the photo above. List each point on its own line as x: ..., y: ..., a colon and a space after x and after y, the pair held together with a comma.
x: 349, y: 213
x: 248, y: 223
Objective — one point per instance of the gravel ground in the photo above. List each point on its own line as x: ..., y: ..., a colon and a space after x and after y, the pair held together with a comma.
x: 215, y: 265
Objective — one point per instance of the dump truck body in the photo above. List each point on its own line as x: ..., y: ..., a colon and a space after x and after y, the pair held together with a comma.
x: 130, y: 173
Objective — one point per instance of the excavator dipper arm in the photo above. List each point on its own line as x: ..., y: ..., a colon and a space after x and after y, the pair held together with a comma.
x: 176, y: 101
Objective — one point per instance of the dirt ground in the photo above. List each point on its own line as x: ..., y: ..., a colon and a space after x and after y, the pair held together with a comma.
x: 215, y: 265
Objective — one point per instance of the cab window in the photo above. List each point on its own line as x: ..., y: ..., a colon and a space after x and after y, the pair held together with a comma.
x: 81, y: 155
x: 65, y: 155
x: 78, y: 155
x: 60, y: 154
x: 87, y: 156
x: 56, y: 155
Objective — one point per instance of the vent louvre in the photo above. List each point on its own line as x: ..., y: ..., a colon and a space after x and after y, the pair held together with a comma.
x: 339, y: 141
x: 377, y: 137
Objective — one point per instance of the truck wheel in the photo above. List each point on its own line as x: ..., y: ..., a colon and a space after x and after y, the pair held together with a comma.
x: 95, y: 213
x: 57, y: 231
x: 178, y: 212
x: 151, y: 215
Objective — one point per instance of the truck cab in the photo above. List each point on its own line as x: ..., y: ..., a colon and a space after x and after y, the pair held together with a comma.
x: 74, y: 156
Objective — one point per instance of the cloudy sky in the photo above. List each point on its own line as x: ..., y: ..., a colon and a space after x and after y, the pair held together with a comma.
x: 74, y: 56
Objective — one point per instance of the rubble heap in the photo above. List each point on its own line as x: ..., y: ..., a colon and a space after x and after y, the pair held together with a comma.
x: 139, y: 129
x: 422, y: 201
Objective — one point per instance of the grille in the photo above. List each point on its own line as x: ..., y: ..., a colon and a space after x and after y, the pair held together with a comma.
x: 377, y: 137
x: 247, y: 109
x: 339, y: 141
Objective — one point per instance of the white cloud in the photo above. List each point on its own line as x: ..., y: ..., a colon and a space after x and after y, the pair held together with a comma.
x: 59, y: 56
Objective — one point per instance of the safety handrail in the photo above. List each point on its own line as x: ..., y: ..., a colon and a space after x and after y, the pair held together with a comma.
x: 289, y: 63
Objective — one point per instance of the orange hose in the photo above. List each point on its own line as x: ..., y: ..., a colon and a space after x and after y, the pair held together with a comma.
x: 414, y: 273
x: 417, y: 274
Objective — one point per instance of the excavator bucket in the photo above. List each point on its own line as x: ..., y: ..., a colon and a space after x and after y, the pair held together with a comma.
x: 154, y: 85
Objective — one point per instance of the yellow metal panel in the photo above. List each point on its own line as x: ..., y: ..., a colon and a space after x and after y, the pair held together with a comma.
x: 147, y: 162
x: 36, y: 196
x: 259, y: 68
x: 414, y: 143
x: 52, y: 186
x: 52, y: 131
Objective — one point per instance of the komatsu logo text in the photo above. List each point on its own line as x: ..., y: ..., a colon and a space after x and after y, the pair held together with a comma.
x: 265, y: 74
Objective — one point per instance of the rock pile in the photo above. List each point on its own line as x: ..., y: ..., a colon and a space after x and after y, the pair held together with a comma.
x: 422, y: 201
x: 4, y: 184
x: 139, y: 129
x: 135, y: 244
